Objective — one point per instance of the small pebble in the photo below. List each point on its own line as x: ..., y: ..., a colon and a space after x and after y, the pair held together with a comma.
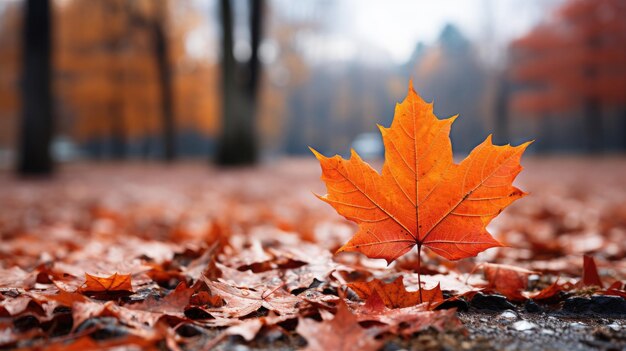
x: 523, y: 325
x: 508, y: 314
x: 615, y: 326
x: 577, y: 325
x: 547, y: 331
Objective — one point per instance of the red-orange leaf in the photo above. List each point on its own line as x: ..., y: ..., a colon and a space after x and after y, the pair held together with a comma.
x: 590, y: 272
x: 508, y: 280
x: 549, y: 292
x: 115, y: 284
x: 616, y: 289
x: 422, y: 197
x: 394, y: 294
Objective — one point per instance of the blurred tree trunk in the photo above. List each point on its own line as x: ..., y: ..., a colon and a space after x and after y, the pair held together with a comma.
x: 237, y: 144
x: 37, y: 116
x: 165, y: 81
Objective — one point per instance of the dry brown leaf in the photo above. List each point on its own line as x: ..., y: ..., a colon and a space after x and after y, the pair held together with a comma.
x: 241, y: 302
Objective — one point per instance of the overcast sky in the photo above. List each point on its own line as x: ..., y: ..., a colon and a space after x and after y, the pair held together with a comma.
x: 396, y: 25
x: 393, y: 27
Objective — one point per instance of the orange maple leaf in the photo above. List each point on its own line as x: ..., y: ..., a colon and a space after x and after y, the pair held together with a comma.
x: 115, y: 284
x: 394, y: 294
x: 422, y: 197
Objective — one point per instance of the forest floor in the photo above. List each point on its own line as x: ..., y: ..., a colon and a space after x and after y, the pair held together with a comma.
x: 243, y: 259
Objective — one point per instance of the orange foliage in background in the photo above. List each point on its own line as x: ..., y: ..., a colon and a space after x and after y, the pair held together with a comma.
x: 107, y: 73
x: 577, y: 55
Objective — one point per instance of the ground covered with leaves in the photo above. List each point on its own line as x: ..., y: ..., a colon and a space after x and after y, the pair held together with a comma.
x: 187, y: 257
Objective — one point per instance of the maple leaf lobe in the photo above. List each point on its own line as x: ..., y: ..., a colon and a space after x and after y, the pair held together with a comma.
x: 421, y: 197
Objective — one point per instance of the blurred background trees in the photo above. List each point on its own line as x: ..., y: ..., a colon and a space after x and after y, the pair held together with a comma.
x: 575, y: 63
x: 237, y: 79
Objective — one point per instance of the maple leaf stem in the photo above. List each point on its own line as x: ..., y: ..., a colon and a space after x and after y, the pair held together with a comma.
x: 419, y: 268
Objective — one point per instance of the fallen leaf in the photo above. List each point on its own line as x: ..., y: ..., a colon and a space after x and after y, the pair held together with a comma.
x: 422, y: 197
x: 547, y: 293
x: 342, y: 333
x: 139, y: 319
x: 204, y: 298
x: 15, y: 306
x: 15, y: 277
x: 60, y: 298
x: 616, y: 289
x: 82, y: 311
x: 241, y: 302
x: 174, y: 302
x: 374, y: 303
x: 249, y: 328
x: 117, y: 284
x: 590, y: 272
x: 394, y: 294
x: 205, y: 264
x: 508, y: 280
x: 88, y: 343
x: 407, y: 320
